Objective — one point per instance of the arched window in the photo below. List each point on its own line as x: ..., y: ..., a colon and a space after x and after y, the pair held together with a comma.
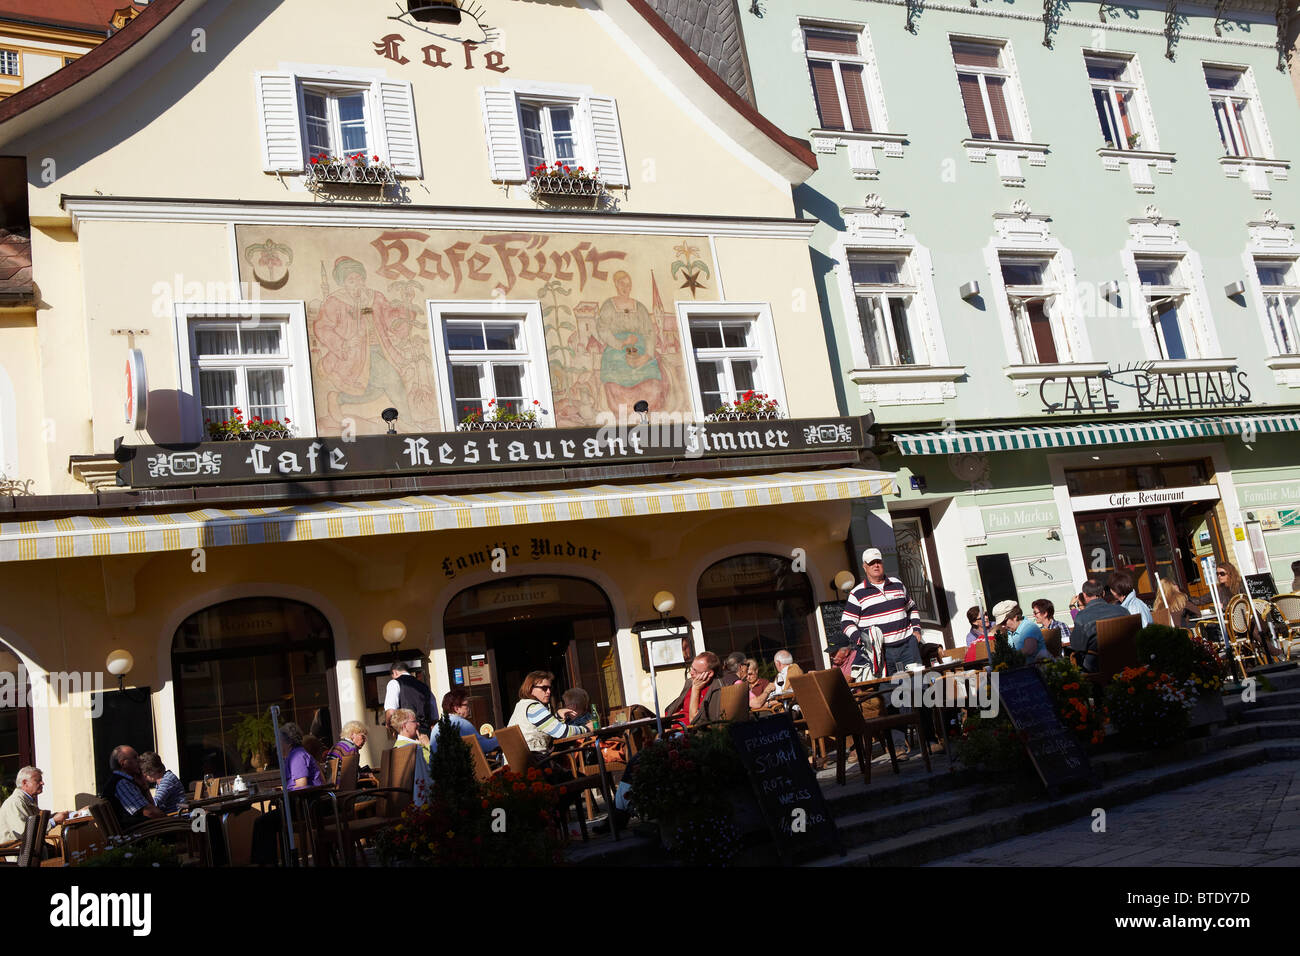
x: 757, y: 604
x: 16, y: 748
x: 233, y: 661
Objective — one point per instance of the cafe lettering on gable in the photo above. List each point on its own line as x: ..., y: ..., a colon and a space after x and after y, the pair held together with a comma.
x: 1151, y: 391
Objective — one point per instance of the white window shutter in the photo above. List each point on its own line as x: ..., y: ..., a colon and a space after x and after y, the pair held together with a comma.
x: 277, y: 108
x: 504, y: 140
x: 397, y: 119
x: 608, y: 140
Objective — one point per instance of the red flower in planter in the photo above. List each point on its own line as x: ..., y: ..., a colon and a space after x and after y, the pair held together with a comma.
x: 314, y: 160
x: 376, y: 159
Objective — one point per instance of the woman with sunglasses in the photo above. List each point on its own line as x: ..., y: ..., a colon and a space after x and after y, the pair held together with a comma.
x: 533, y: 714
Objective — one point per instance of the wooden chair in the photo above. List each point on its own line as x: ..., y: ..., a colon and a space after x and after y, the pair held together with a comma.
x: 83, y: 800
x: 953, y: 653
x: 1051, y: 640
x: 519, y: 760
x: 483, y: 771
x: 831, y: 712
x: 515, y: 749
x: 1116, y: 646
x: 28, y: 849
x: 238, y: 830
x: 198, y: 791
x: 981, y: 652
x: 337, y: 819
x: 734, y: 702
x: 175, y: 830
x: 1288, y: 606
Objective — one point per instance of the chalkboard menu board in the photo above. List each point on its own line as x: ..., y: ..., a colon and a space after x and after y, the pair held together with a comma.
x: 1261, y: 586
x: 786, y: 787
x: 997, y: 579
x: 1055, y: 752
x: 832, y: 612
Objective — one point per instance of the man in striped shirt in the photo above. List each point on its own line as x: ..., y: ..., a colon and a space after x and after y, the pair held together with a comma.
x: 882, y: 602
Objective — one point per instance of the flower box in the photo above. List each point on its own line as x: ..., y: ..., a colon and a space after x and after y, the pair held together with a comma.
x: 578, y: 189
x: 764, y: 416
x: 255, y: 435
x: 492, y: 426
x: 350, y: 174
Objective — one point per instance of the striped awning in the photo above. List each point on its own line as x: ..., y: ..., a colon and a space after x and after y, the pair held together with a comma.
x: 89, y: 535
x: 1078, y: 436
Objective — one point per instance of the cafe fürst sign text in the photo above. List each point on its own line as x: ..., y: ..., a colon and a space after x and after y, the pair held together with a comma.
x: 299, y: 459
x: 1143, y: 389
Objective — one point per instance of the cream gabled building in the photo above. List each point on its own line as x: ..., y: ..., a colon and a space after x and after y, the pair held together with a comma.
x: 193, y: 255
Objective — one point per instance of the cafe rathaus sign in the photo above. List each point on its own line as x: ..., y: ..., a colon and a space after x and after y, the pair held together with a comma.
x: 1141, y: 388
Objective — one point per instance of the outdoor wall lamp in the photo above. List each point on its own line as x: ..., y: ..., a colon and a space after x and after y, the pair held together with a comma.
x: 119, y: 664
x: 843, y: 582
x: 394, y: 632
x: 1234, y: 288
x: 1110, y: 291
x: 664, y: 602
x: 390, y: 415
x: 969, y: 290
x: 642, y: 408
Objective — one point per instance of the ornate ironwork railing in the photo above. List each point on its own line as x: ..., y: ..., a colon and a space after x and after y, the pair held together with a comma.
x: 565, y: 187
x: 353, y: 174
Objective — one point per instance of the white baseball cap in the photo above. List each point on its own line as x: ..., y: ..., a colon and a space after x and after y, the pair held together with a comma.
x: 871, y: 554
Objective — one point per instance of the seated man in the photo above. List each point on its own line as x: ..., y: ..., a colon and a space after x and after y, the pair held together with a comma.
x: 126, y: 789
x: 700, y: 701
x: 1083, y: 639
x: 785, y: 669
x: 21, y: 804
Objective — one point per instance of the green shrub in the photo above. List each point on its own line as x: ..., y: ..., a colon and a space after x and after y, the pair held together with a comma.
x: 993, y: 745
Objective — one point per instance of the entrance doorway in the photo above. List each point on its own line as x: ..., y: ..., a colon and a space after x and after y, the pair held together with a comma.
x: 1168, y: 542
x: 497, y: 633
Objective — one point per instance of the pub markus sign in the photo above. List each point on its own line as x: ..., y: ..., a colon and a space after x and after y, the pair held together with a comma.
x: 1141, y: 388
x: 302, y: 459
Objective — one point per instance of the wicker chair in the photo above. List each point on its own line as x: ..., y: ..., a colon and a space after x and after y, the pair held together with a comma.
x: 1288, y: 606
x: 1237, y: 615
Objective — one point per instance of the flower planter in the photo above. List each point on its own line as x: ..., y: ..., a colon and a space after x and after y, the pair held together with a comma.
x: 744, y: 416
x: 1207, y: 710
x: 566, y: 190
x: 349, y: 174
x: 497, y: 426
x: 253, y: 436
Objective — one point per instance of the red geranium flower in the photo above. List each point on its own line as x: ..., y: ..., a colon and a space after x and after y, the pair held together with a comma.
x: 376, y: 159
x: 314, y: 160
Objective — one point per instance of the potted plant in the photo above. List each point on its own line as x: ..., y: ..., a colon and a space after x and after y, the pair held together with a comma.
x: 1148, y: 707
x: 498, y: 417
x: 1193, y: 662
x: 750, y: 407
x: 1069, y: 690
x: 255, y: 739
x: 256, y: 428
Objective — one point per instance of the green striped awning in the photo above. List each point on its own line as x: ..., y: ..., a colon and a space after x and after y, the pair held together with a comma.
x: 960, y: 441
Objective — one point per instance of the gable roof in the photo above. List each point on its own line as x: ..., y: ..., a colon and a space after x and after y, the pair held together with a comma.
x: 66, y: 89
x: 712, y: 29
x: 91, y: 16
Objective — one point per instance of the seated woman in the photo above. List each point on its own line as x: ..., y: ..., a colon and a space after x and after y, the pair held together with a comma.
x: 759, y: 688
x: 352, y: 740
x: 407, y: 727
x: 300, y: 772
x: 533, y: 714
x: 455, y: 704
x: 1177, y: 603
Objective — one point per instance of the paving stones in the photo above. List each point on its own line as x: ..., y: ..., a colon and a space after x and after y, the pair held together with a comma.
x: 1247, y: 817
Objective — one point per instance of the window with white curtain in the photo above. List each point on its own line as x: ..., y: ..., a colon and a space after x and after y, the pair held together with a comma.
x: 887, y: 303
x: 1116, y: 95
x: 337, y: 122
x: 1236, y: 112
x: 244, y: 365
x: 728, y: 359
x: 1033, y: 294
x: 1277, y: 281
x: 1166, y: 292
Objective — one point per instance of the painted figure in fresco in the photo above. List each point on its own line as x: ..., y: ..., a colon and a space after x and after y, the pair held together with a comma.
x: 629, y: 370
x: 362, y: 354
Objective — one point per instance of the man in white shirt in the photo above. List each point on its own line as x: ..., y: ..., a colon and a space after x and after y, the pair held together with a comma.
x: 21, y: 804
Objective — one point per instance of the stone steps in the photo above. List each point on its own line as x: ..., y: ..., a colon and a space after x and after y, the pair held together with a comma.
x: 950, y: 837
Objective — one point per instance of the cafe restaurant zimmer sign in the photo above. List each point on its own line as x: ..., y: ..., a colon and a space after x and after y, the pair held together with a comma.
x: 299, y: 459
x: 1143, y: 390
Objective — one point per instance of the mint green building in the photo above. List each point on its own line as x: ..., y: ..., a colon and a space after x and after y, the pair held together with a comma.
x: 1058, y: 262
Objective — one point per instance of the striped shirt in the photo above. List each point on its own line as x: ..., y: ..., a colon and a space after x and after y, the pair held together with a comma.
x: 887, y: 607
x: 129, y: 794
x: 538, y: 723
x: 169, y: 794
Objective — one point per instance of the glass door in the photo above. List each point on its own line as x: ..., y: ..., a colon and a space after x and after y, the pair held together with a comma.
x: 1130, y: 553
x: 1162, y: 552
x: 1094, y: 540
x: 1140, y: 542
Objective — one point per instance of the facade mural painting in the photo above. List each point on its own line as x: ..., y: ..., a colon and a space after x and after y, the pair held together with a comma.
x: 607, y: 346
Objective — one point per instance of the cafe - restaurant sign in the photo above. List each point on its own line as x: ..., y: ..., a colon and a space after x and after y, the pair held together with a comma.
x: 301, y: 459
x: 1154, y: 498
x: 1140, y: 388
